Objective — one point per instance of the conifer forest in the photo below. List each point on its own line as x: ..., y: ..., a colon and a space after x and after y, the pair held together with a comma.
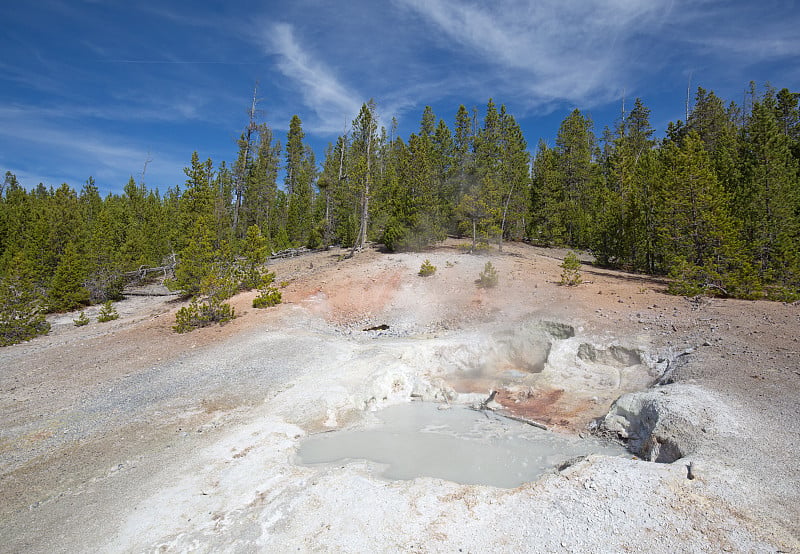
x: 714, y: 204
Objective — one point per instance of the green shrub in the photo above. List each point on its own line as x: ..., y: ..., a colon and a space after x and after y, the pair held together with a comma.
x: 209, y: 306
x: 570, y: 274
x: 81, y: 320
x: 426, y: 269
x: 782, y: 294
x: 393, y: 235
x: 202, y: 314
x: 488, y: 277
x: 255, y: 251
x: 267, y: 298
x: 21, y: 311
x: 689, y: 279
x: 107, y: 312
x: 268, y: 295
x: 483, y: 247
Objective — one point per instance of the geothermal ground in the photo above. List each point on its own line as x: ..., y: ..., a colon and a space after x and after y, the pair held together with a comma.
x: 127, y: 437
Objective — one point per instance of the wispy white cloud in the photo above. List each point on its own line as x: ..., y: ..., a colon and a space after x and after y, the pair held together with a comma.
x: 77, y: 152
x: 550, y: 50
x: 333, y: 103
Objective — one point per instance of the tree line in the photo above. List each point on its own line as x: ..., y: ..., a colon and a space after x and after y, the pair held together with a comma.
x: 714, y: 204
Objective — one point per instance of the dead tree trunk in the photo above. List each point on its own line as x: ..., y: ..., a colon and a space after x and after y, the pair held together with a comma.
x: 241, y: 173
x: 362, y: 231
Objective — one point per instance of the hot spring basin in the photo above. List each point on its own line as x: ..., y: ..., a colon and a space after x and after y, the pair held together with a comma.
x: 417, y: 439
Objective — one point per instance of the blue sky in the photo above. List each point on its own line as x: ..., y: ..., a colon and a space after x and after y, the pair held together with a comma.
x: 97, y: 87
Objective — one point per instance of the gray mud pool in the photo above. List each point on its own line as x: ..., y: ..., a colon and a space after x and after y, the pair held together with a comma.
x: 418, y: 439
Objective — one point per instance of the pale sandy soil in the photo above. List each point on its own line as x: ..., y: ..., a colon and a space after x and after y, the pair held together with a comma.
x: 125, y: 436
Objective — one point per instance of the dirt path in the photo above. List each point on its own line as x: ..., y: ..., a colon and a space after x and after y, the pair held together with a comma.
x: 125, y: 436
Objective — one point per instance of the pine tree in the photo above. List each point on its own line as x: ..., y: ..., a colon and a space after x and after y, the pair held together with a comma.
x: 714, y: 124
x: 201, y: 248
x: 488, y: 172
x: 67, y: 289
x: 249, y: 143
x: 788, y: 116
x: 625, y: 231
x: 362, y: 167
x: 548, y: 199
x: 444, y: 171
x: 768, y: 201
x: 699, y: 236
x: 574, y: 168
x: 15, y: 217
x: 22, y: 306
x: 300, y: 176
x: 259, y: 204
x: 255, y: 251
x: 515, y: 179
x: 415, y: 219
x: 464, y: 175
x: 428, y: 124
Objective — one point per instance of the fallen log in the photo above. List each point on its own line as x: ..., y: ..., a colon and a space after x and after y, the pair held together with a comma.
x: 290, y: 253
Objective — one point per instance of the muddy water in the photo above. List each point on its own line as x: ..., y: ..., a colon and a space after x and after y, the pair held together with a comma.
x: 461, y: 445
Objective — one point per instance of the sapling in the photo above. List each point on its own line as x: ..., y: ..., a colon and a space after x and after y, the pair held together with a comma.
x: 488, y: 277
x: 571, y: 265
x: 427, y: 269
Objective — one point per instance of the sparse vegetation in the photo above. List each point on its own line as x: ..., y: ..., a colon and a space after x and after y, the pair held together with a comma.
x: 81, y: 320
x: 488, y: 277
x: 427, y: 269
x: 107, y: 312
x: 209, y: 306
x: 570, y: 274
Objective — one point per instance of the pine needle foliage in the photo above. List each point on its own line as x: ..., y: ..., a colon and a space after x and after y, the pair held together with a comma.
x: 21, y: 312
x: 209, y: 306
x: 570, y: 270
x: 427, y: 269
x: 107, y: 312
x: 81, y: 320
x: 268, y: 295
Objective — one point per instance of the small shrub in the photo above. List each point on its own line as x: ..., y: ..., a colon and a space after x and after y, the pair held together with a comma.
x: 267, y: 298
x: 570, y: 274
x: 483, y: 247
x: 209, y: 306
x: 268, y: 295
x: 107, y: 312
x: 21, y: 311
x: 488, y: 277
x: 202, y: 314
x: 81, y: 320
x: 782, y: 294
x: 426, y: 269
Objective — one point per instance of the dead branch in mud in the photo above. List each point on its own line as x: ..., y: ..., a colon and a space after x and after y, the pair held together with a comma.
x: 484, y: 407
x: 485, y: 404
x: 522, y: 420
